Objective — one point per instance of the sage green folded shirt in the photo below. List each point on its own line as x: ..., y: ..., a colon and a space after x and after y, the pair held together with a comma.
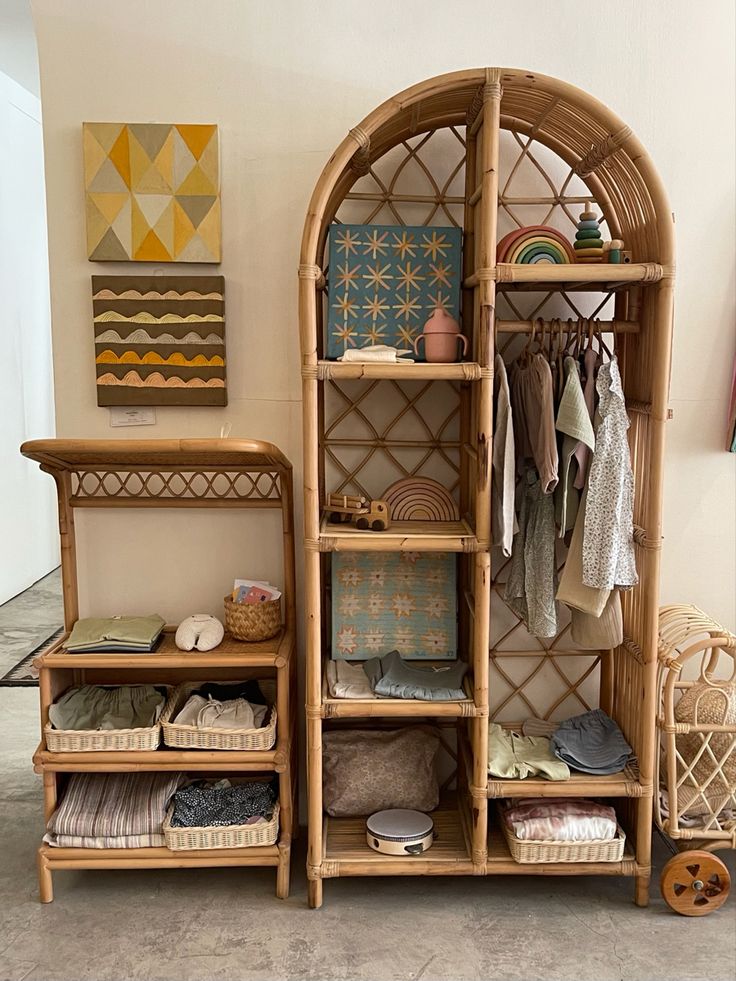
x: 96, y: 707
x: 517, y: 757
x: 133, y: 632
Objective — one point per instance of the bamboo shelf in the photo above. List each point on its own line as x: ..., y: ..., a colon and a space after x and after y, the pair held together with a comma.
x: 192, y: 473
x: 449, y: 131
x: 402, y: 536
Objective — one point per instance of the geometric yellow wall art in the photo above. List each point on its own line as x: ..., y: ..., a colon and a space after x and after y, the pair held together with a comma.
x: 152, y: 192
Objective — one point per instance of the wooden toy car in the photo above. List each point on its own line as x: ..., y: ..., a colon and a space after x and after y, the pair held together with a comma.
x: 342, y: 508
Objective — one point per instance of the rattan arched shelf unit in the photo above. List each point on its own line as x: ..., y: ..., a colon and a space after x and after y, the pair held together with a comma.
x: 502, y: 121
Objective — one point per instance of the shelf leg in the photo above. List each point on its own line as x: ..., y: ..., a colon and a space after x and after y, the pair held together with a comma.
x: 641, y: 889
x: 45, y: 882
x: 314, y: 893
x: 283, y: 872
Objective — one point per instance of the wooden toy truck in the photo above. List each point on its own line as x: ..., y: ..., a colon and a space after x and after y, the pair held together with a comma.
x: 343, y: 508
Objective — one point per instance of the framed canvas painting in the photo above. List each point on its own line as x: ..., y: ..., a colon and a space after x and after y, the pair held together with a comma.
x: 152, y: 192
x: 384, y: 281
x: 159, y: 340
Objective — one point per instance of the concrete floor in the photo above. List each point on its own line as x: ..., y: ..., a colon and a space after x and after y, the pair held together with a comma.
x: 227, y: 924
x: 28, y: 619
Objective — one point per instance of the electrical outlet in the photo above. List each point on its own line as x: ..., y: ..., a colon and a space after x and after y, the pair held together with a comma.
x: 125, y: 415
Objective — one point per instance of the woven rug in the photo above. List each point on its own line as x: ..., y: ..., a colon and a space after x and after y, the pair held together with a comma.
x: 21, y: 675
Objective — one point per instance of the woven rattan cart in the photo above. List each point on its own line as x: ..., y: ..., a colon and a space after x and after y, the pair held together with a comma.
x: 696, y: 725
x: 239, y: 474
x: 487, y: 150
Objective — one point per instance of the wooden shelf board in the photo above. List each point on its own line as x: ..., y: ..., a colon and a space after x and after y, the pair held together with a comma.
x: 601, y: 276
x: 346, y: 848
x: 159, y: 858
x: 460, y: 371
x: 624, y: 784
x: 387, y: 708
x: 500, y: 862
x: 156, y: 759
x: 402, y: 536
x: 230, y: 653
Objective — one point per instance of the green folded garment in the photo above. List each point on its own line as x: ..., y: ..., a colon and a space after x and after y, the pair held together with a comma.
x: 115, y: 633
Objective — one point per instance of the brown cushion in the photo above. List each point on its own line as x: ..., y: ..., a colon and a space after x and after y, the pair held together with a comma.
x: 367, y: 770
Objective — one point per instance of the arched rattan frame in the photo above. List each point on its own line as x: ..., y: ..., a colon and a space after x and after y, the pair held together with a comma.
x: 620, y: 177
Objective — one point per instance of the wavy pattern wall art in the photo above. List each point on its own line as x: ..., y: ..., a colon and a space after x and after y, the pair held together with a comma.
x: 159, y: 340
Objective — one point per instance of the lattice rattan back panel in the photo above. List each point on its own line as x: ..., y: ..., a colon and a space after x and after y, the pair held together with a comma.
x: 378, y: 431
x: 242, y: 489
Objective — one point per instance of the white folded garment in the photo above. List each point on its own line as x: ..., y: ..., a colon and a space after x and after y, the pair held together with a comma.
x: 376, y: 352
x: 346, y: 680
x: 235, y: 713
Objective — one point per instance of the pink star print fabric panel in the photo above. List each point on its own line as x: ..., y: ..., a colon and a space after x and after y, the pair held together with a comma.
x: 403, y: 601
x: 385, y: 281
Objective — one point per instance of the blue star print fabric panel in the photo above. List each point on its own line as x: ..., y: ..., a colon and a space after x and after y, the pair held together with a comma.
x: 384, y: 601
x: 385, y: 281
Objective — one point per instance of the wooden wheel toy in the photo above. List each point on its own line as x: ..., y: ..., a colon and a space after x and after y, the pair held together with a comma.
x: 695, y: 883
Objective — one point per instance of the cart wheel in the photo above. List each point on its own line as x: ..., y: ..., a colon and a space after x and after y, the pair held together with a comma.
x: 695, y: 883
x: 361, y: 523
x: 378, y: 525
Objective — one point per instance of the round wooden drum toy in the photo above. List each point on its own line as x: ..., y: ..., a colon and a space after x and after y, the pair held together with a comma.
x: 400, y: 832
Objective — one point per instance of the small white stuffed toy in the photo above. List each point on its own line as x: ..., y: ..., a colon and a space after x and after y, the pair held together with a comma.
x: 201, y: 631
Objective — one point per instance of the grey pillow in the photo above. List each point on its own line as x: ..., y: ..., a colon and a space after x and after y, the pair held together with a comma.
x: 368, y: 770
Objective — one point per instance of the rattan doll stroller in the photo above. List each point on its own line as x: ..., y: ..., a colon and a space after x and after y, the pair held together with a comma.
x: 695, y: 805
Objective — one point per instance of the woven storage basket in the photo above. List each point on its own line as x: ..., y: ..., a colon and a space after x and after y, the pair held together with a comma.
x: 544, y: 852
x: 253, y: 621
x: 106, y: 740
x: 196, y: 737
x: 231, y: 836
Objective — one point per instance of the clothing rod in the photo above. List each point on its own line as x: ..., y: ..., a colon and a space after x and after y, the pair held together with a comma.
x: 602, y: 326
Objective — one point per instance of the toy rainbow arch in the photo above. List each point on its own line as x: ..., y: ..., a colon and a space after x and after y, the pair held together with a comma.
x: 537, y: 243
x: 420, y: 499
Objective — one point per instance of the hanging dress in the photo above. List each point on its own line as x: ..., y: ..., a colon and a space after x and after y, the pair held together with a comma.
x: 608, y: 539
x: 503, y: 486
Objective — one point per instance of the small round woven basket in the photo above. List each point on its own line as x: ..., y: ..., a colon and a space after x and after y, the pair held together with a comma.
x: 253, y: 621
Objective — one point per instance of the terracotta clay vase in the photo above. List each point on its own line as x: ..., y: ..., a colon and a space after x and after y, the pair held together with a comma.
x: 441, y: 335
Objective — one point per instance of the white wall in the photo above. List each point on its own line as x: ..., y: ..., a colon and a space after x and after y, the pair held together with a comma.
x: 28, y: 535
x: 285, y: 81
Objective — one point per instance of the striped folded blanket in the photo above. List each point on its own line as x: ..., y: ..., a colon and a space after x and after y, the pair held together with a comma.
x: 113, y: 810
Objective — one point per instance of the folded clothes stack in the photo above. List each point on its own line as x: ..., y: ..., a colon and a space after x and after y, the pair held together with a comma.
x: 133, y: 635
x: 222, y: 804
x: 573, y: 819
x: 391, y: 677
x: 93, y: 707
x: 589, y: 743
x: 113, y: 810
x: 214, y: 706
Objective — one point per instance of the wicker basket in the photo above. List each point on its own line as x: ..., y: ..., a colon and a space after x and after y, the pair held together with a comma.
x: 544, y: 852
x: 253, y: 621
x: 231, y: 836
x: 105, y: 740
x: 196, y: 737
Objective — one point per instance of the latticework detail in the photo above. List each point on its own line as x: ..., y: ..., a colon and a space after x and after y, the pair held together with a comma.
x: 378, y: 431
x: 177, y: 485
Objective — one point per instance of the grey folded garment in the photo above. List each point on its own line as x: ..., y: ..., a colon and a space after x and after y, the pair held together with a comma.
x: 591, y: 743
x: 394, y: 678
x: 95, y: 707
x: 115, y: 634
